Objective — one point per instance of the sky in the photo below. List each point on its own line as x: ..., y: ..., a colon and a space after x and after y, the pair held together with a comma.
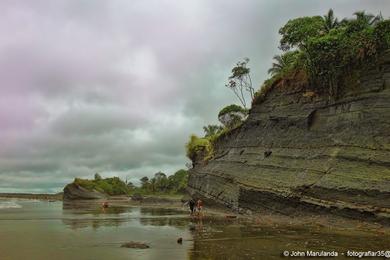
x: 117, y: 87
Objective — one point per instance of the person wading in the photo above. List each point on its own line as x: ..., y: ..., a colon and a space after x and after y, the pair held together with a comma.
x: 191, y: 204
x: 199, y: 207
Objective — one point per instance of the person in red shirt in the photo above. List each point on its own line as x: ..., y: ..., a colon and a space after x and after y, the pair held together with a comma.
x: 199, y: 206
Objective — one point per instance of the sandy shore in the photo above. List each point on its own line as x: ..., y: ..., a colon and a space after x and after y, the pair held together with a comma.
x: 211, y: 211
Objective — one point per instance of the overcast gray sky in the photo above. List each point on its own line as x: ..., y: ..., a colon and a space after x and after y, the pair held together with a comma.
x: 116, y: 87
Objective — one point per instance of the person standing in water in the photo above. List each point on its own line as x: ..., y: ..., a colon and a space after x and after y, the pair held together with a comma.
x: 191, y: 204
x: 199, y: 206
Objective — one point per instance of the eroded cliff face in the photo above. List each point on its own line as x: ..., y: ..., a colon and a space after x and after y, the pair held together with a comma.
x: 300, y: 152
x: 73, y: 191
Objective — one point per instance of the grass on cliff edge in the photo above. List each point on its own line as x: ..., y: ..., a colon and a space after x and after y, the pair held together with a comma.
x: 202, y: 148
x: 111, y: 186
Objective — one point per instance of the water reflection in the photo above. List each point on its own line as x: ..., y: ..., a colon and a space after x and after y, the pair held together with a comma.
x: 72, y: 208
x: 90, y: 214
x: 163, y: 217
x: 221, y: 239
x: 213, y: 237
x: 152, y: 211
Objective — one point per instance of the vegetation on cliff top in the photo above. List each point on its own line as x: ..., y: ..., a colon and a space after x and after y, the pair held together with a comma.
x: 240, y: 82
x: 325, y: 54
x: 231, y: 117
x: 232, y: 108
x: 110, y: 186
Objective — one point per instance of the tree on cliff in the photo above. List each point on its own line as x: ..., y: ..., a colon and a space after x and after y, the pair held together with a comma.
x: 211, y: 130
x: 297, y: 32
x: 283, y: 63
x: 330, y: 51
x: 97, y: 177
x: 232, y: 116
x: 240, y: 82
x: 330, y: 21
x: 367, y: 19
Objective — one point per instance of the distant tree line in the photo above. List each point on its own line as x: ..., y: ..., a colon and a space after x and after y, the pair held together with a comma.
x: 159, y: 184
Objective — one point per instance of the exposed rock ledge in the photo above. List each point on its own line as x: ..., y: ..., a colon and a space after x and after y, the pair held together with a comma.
x: 299, y: 152
x: 73, y: 191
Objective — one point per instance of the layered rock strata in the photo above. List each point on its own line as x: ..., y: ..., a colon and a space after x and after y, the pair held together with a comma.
x: 298, y: 151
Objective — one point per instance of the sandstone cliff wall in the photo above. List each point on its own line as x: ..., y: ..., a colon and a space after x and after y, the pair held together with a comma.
x: 300, y: 152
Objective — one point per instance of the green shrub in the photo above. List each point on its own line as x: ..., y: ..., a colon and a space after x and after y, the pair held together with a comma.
x: 329, y: 52
x: 232, y: 108
x: 198, y: 145
x: 110, y: 186
x: 382, y: 34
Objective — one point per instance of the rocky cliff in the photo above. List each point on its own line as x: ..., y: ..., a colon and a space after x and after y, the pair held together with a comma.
x: 73, y: 191
x: 302, y: 152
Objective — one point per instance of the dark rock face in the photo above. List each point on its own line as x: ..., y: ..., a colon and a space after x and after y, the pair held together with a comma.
x: 137, y: 245
x: 73, y: 191
x: 302, y: 152
x: 137, y: 197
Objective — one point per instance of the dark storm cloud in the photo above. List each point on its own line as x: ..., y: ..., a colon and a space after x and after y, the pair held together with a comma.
x: 117, y: 86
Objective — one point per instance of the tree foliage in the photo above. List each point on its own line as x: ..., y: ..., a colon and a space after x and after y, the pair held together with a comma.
x: 330, y: 21
x: 211, y: 130
x: 232, y: 115
x: 298, y: 31
x: 163, y: 184
x: 197, y: 145
x: 328, y: 51
x: 284, y: 63
x: 240, y: 81
x: 110, y: 186
x: 97, y: 177
x: 232, y: 108
x: 202, y: 148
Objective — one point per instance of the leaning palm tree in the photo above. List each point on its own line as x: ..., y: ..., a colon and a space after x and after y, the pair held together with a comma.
x: 278, y: 65
x: 283, y: 62
x: 368, y: 19
x: 211, y: 130
x: 330, y: 21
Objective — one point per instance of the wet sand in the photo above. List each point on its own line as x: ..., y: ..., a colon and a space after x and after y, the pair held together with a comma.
x: 84, y: 230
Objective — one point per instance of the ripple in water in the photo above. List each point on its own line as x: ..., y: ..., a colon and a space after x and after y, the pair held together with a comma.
x: 9, y: 205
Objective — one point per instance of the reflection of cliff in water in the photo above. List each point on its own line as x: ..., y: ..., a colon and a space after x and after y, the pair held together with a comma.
x: 163, y: 217
x: 81, y: 214
x: 92, y: 208
x: 160, y: 211
x: 93, y: 223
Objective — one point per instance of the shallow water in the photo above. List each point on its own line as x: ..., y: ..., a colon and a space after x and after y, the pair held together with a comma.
x: 51, y: 230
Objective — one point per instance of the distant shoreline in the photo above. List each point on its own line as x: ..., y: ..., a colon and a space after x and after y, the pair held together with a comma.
x: 37, y: 196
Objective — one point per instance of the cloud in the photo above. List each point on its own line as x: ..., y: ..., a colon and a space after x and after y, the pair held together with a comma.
x: 117, y: 87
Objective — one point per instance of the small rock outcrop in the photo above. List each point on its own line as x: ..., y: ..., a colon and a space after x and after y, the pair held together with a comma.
x: 137, y: 197
x: 306, y: 153
x: 137, y: 245
x: 74, y: 191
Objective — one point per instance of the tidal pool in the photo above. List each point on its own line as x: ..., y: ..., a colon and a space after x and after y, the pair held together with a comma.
x: 51, y: 230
